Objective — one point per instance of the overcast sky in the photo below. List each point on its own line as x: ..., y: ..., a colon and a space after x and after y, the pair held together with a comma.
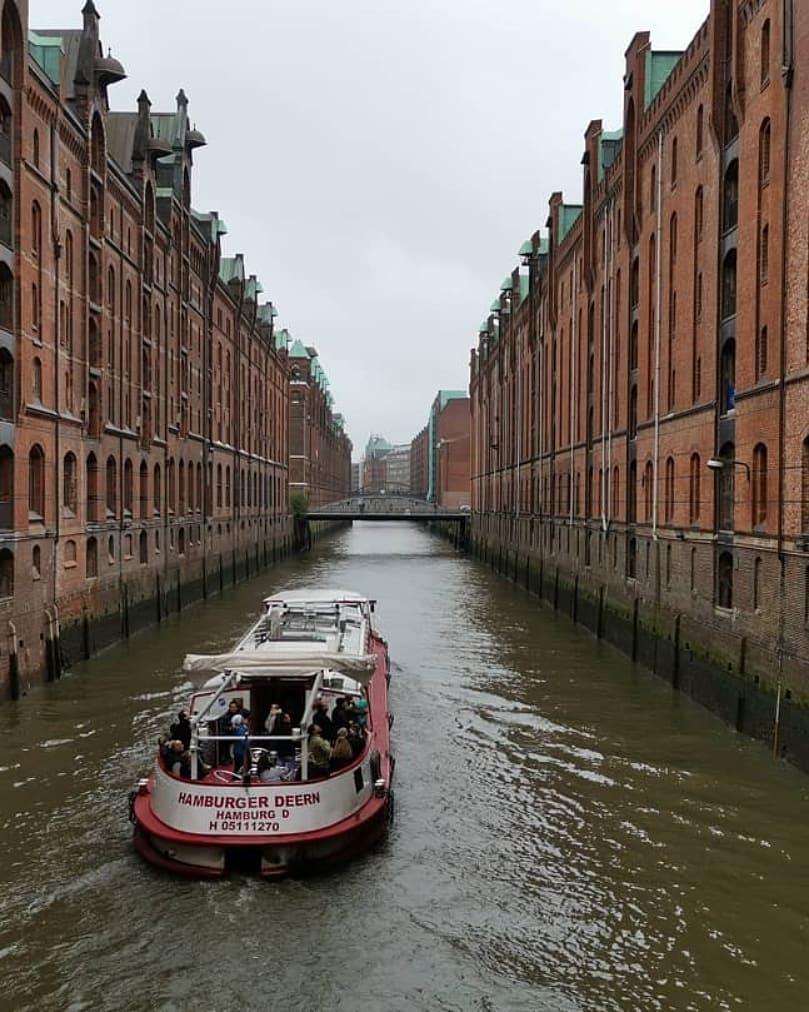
x: 380, y: 162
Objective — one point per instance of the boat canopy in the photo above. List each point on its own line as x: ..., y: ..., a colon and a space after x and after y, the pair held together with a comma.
x: 358, y: 666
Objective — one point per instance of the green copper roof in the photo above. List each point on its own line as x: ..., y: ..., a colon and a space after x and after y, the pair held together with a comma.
x: 377, y: 446
x: 297, y: 350
x: 495, y: 306
x: 658, y: 68
x: 524, y: 280
x: 484, y: 327
x: 46, y: 52
x: 231, y: 269
x: 609, y: 146
x: 526, y: 249
x: 506, y: 285
x: 569, y: 214
x: 445, y: 396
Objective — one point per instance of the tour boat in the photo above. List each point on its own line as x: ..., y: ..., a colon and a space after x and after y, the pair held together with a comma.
x: 278, y: 814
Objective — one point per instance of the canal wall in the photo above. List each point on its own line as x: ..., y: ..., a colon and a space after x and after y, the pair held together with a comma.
x: 44, y: 640
x: 758, y: 692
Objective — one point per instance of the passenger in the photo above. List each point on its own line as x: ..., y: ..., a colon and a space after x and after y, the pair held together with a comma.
x: 339, y: 715
x: 322, y: 719
x: 342, y: 753
x: 361, y: 706
x: 319, y: 752
x: 355, y: 739
x: 181, y: 729
x: 177, y: 759
x: 272, y: 717
x: 285, y: 746
x: 239, y: 751
x: 271, y: 769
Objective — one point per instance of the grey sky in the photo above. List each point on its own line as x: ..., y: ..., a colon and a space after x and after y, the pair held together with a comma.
x: 379, y: 163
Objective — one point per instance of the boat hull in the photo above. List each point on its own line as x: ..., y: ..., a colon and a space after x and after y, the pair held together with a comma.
x: 270, y: 857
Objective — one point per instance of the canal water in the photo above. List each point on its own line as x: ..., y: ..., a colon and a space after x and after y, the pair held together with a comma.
x: 569, y: 833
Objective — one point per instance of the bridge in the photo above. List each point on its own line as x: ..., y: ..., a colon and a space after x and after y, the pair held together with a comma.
x: 387, y: 507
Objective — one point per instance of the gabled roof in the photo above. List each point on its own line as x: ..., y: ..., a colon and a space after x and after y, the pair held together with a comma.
x: 569, y: 214
x: 658, y: 67
x: 231, y: 268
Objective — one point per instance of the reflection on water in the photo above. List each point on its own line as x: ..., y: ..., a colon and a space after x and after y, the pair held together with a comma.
x: 569, y: 835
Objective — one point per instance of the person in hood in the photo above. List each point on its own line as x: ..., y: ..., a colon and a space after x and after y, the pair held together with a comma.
x: 181, y: 729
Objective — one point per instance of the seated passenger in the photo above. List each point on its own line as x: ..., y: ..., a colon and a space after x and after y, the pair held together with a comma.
x: 270, y: 768
x: 319, y: 752
x: 342, y: 753
x: 177, y: 759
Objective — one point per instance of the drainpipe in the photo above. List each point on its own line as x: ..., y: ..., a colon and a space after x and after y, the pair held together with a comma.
x: 611, y: 393
x: 787, y: 70
x: 658, y: 283
x: 57, y: 254
x: 518, y: 441
x: 573, y: 339
x: 541, y: 407
x: 604, y: 317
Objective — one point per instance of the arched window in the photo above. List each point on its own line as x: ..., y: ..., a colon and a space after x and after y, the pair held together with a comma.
x: 6, y: 573
x: 6, y: 298
x: 764, y: 65
x: 632, y: 559
x: 729, y: 285
x: 70, y: 552
x: 633, y: 412
x: 727, y: 377
x: 143, y: 548
x: 6, y: 385
x: 35, y: 149
x: 199, y: 488
x: 6, y: 488
x: 653, y: 188
x: 181, y: 485
x: 171, y: 487
x: 157, y: 489
x: 764, y: 153
x: 36, y: 230
x: 36, y: 483
x: 761, y: 353
x: 6, y: 135
x: 648, y: 490
x: 112, y: 486
x: 725, y: 488
x: 143, y: 490
x: 70, y: 484
x: 181, y: 542
x: 674, y: 162
x: 764, y: 256
x: 92, y: 488
x: 129, y: 487
x: 730, y: 197
x: 700, y: 131
x: 227, y: 487
x: 111, y: 549
x: 698, y: 214
x: 219, y: 486
x: 669, y: 491
x: 724, y: 581
x: 616, y: 500
x: 632, y: 493
x: 731, y: 123
x: 36, y: 562
x: 92, y: 558
x: 759, y: 478
x: 694, y: 477
x: 6, y: 215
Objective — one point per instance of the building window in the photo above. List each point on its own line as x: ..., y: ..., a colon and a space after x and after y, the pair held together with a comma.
x: 759, y: 479
x: 674, y: 162
x: 111, y: 549
x: 757, y: 584
x: 700, y: 131
x: 92, y: 488
x: 731, y: 123
x: 35, y: 308
x: 765, y: 54
x: 6, y: 573
x: 764, y: 153
x: 653, y: 189
x: 669, y: 491
x: 144, y: 548
x: 36, y: 562
x: 724, y: 580
x: 69, y: 483
x: 35, y: 149
x: 144, y: 490
x: 698, y: 298
x: 761, y: 354
x: 764, y: 255
x: 725, y: 487
x: 6, y: 298
x: 156, y: 489
x: 632, y: 559
x: 698, y: 214
x: 730, y: 197
x: 36, y: 230
x: 729, y: 285
x: 36, y: 483
x: 648, y: 490
x: 92, y: 558
x: 129, y: 487
x: 694, y: 477
x: 6, y: 215
x: 692, y: 576
x: 70, y: 553
x: 111, y: 500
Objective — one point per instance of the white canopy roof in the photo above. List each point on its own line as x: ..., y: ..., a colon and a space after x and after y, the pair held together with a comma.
x: 358, y: 666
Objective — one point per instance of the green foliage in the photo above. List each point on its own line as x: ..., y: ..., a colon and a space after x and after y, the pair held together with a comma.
x: 299, y: 504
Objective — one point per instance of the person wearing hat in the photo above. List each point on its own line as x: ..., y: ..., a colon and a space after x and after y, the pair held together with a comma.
x: 238, y: 727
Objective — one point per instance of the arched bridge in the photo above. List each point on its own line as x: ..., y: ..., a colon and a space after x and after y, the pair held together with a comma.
x: 386, y: 507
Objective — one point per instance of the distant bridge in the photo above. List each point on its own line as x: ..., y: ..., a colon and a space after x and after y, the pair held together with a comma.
x: 386, y: 507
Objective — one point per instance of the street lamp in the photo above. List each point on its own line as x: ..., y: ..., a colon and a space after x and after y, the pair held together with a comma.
x: 717, y: 464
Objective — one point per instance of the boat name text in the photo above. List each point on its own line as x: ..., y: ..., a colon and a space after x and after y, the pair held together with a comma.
x: 257, y: 801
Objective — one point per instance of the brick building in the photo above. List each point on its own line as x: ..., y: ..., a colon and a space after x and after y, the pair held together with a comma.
x: 143, y: 390
x: 639, y: 388
x: 374, y: 466
x: 319, y: 449
x: 419, y: 456
x: 448, y: 449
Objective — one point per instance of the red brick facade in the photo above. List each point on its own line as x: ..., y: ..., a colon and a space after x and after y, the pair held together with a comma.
x: 640, y: 389
x: 144, y: 394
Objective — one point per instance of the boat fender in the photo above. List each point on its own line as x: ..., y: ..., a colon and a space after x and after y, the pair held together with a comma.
x: 390, y: 720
